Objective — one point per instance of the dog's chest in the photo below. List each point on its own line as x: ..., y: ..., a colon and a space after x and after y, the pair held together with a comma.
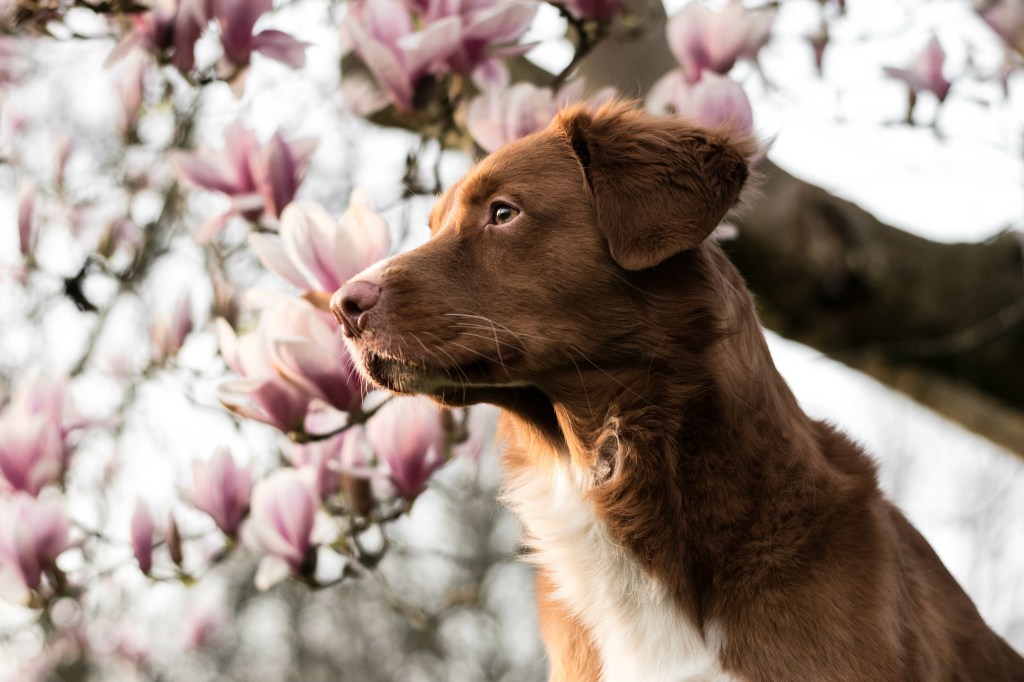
x: 640, y: 632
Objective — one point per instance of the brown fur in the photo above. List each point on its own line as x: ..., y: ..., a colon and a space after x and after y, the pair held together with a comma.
x: 614, y: 335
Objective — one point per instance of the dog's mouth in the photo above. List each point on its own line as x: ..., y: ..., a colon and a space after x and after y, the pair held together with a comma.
x: 406, y: 375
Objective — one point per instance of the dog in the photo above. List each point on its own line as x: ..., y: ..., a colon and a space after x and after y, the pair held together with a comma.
x: 687, y: 519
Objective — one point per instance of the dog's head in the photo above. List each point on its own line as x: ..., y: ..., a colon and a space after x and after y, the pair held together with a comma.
x: 544, y: 256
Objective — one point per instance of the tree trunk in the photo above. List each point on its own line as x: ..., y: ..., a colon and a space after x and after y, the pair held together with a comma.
x: 942, y: 322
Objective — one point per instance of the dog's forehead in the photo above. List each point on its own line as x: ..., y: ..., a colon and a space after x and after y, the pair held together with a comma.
x: 515, y: 169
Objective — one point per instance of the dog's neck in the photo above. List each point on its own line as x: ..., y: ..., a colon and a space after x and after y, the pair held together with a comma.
x: 696, y: 447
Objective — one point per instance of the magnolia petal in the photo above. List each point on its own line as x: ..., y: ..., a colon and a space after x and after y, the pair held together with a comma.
x: 431, y: 46
x: 142, y: 530
x: 280, y: 46
x: 501, y: 23
x: 481, y: 114
x: 308, y: 235
x: 491, y: 75
x: 26, y: 216
x: 228, y: 345
x: 237, y: 19
x: 362, y: 237
x: 271, y: 571
x: 274, y: 258
x: 281, y: 174
x: 389, y: 73
x: 198, y: 170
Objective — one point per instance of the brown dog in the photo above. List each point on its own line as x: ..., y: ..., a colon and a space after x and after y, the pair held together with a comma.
x: 688, y: 520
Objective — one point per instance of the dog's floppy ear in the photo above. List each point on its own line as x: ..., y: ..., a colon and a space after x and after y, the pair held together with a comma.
x: 660, y: 184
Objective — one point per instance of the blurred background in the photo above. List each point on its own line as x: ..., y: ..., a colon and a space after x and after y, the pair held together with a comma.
x: 194, y: 485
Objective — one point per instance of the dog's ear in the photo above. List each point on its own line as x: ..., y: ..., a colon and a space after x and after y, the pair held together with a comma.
x: 660, y: 184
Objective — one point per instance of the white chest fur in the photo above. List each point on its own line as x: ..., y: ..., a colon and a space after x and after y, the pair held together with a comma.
x: 640, y: 632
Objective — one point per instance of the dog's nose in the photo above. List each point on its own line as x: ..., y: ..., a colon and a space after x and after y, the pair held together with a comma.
x: 350, y: 303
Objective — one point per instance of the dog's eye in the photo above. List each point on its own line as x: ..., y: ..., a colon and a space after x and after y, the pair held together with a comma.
x: 503, y: 213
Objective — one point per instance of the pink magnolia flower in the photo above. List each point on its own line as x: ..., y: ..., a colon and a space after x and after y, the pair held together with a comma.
x: 1006, y: 18
x: 712, y: 102
x: 307, y: 348
x: 500, y: 115
x: 925, y: 73
x: 26, y: 218
x: 222, y: 489
x: 594, y: 10
x: 408, y: 434
x: 315, y: 253
x: 280, y: 524
x: 237, y: 19
x: 383, y: 35
x: 31, y: 452
x: 171, y: 27
x: 261, y: 393
x: 260, y: 179
x: 142, y: 530
x: 34, y: 428
x: 485, y: 26
x: 33, y: 533
x: 702, y: 39
x: 456, y: 35
x: 168, y: 332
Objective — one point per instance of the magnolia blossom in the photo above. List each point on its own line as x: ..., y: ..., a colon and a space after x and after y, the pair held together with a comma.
x: 401, y: 51
x: 261, y: 393
x: 1006, y: 18
x: 222, y: 489
x: 308, y: 349
x: 315, y: 253
x: 280, y: 524
x: 237, y: 18
x: 409, y: 436
x: 34, y: 428
x: 170, y: 27
x: 168, y: 332
x: 260, y: 179
x: 142, y: 530
x: 500, y: 115
x: 712, y: 102
x: 485, y: 26
x: 702, y: 39
x: 925, y: 73
x: 33, y: 533
x: 383, y: 35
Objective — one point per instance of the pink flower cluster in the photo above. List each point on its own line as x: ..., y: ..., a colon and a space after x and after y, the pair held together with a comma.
x: 33, y: 533
x: 34, y: 430
x: 403, y: 42
x: 925, y: 72
x: 172, y: 27
x: 707, y: 44
x: 260, y: 179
